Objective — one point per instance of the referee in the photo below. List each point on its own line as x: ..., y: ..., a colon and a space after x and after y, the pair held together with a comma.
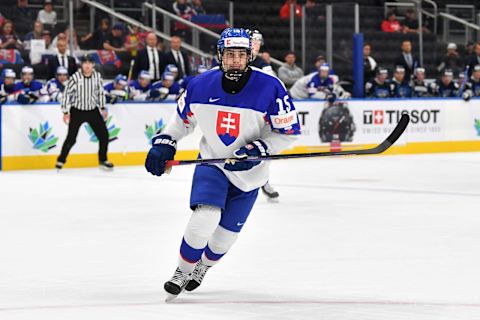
x: 84, y: 101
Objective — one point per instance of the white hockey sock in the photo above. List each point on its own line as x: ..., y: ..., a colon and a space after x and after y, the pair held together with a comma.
x: 199, y: 229
x: 220, y: 242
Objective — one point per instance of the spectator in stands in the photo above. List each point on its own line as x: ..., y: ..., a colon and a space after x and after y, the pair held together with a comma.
x: 63, y: 59
x: 53, y: 90
x: 29, y: 89
x: 23, y: 17
x: 198, y: 7
x: 285, y: 10
x: 65, y: 35
x: 391, y: 24
x: 117, y: 90
x: 451, y: 60
x: 47, y: 15
x: 140, y: 89
x: 445, y: 86
x: 37, y: 32
x: 312, y: 11
x: 150, y: 59
x: 8, y: 38
x: 2, y: 20
x: 47, y: 36
x: 289, y: 73
x: 178, y: 57
x: 474, y: 59
x: 166, y: 87
x: 407, y: 60
x: 369, y: 64
x: 7, y: 86
x: 96, y: 39
x: 379, y: 86
x: 420, y: 88
x: 399, y: 86
x: 135, y: 40
x: 410, y: 23
x: 115, y: 41
x: 183, y: 9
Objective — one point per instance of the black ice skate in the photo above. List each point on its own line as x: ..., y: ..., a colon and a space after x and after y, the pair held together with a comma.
x: 197, y: 276
x: 106, y: 165
x: 270, y: 192
x: 176, y: 284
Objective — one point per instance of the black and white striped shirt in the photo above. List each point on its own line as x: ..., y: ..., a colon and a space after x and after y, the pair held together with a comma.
x: 84, y: 93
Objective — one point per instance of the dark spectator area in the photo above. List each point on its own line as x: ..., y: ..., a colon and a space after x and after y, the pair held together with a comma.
x: 35, y: 33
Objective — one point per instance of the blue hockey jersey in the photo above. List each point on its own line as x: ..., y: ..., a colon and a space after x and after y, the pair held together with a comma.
x: 261, y: 110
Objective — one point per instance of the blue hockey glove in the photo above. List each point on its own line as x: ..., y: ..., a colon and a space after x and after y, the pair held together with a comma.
x: 153, y: 94
x: 163, y: 149
x: 23, y: 98
x: 256, y: 148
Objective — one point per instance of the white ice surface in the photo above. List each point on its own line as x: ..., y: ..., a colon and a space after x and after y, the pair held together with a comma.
x: 393, y: 237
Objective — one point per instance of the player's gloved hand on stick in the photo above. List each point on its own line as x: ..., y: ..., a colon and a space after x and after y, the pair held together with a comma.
x: 466, y: 96
x: 256, y: 148
x: 163, y: 149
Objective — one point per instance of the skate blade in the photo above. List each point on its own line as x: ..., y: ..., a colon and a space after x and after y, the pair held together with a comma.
x: 106, y: 169
x: 170, y: 297
x: 273, y: 200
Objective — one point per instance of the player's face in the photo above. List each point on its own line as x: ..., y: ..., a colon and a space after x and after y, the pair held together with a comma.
x: 420, y: 76
x: 399, y: 75
x: 256, y: 44
x: 62, y: 78
x: 27, y: 77
x: 144, y: 82
x: 167, y: 83
x: 119, y: 86
x: 446, y: 80
x: 324, y: 74
x: 235, y: 59
x: 9, y: 81
x: 382, y: 77
x: 476, y: 75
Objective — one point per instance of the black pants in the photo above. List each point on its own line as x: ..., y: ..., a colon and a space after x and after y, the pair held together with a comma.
x: 95, y: 120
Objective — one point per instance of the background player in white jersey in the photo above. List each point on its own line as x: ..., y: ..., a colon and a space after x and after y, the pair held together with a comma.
x: 236, y: 121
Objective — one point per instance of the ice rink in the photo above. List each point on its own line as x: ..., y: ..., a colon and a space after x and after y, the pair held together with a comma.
x: 394, y: 237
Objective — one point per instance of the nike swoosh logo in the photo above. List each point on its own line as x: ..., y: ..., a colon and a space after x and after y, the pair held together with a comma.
x: 240, y: 224
x: 213, y: 99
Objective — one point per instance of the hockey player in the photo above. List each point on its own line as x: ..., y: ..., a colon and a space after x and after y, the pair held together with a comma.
x: 166, y: 87
x: 420, y: 88
x: 235, y: 122
x: 472, y: 86
x: 29, y: 89
x: 8, y: 91
x: 139, y: 90
x: 257, y: 43
x: 117, y: 90
x: 321, y: 84
x: 54, y: 88
x: 445, y: 87
x: 173, y: 69
x: 379, y: 86
x: 399, y: 86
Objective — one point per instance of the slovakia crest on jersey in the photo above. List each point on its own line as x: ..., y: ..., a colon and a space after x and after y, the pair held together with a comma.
x: 228, y: 126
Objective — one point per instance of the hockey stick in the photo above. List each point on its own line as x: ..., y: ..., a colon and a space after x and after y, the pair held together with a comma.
x: 387, y: 143
x: 464, y: 80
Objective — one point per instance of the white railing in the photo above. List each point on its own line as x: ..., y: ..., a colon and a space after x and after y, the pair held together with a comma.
x: 131, y: 21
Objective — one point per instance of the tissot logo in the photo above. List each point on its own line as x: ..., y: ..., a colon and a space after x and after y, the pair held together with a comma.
x: 379, y: 117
